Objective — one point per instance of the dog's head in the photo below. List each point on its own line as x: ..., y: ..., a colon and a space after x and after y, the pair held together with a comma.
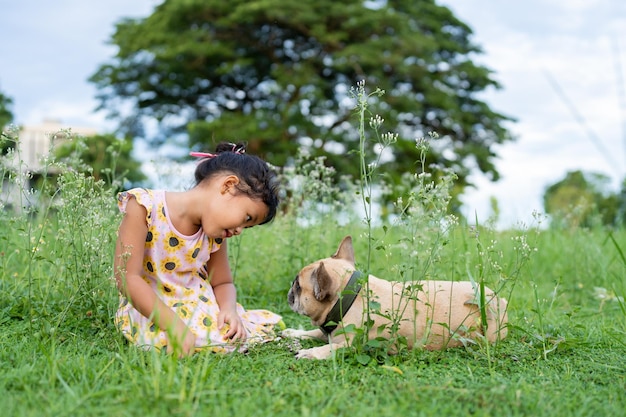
x: 318, y: 285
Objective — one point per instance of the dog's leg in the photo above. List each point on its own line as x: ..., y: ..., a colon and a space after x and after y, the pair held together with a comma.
x: 320, y: 352
x: 304, y: 334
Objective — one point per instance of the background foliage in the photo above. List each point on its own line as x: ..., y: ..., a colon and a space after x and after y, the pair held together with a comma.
x: 105, y: 157
x: 6, y: 117
x: 582, y: 199
x: 278, y: 73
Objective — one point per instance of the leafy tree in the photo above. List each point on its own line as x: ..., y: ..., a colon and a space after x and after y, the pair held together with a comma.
x: 278, y: 74
x: 6, y: 117
x: 105, y: 157
x: 580, y: 199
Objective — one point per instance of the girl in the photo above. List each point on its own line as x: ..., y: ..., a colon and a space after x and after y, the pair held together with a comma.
x: 171, y: 261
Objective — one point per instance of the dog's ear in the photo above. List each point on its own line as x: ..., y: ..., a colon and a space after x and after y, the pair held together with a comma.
x: 345, y: 251
x: 322, y: 282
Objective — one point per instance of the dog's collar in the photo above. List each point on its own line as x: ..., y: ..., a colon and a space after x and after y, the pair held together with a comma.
x: 343, y: 304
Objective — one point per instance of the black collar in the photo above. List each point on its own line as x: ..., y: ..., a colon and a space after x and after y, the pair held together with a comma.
x: 343, y: 304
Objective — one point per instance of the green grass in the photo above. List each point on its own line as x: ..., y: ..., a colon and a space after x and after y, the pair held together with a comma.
x: 62, y: 356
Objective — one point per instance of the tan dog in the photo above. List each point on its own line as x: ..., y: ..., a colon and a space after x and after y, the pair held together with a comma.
x: 429, y: 314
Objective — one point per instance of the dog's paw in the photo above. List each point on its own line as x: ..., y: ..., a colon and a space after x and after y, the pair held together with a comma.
x: 293, y: 333
x: 298, y: 333
x: 303, y: 334
x: 321, y: 352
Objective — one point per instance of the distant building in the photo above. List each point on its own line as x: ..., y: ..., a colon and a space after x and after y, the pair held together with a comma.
x: 33, y: 146
x: 35, y: 142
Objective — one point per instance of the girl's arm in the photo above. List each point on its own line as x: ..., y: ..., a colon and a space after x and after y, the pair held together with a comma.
x: 128, y: 263
x: 225, y: 294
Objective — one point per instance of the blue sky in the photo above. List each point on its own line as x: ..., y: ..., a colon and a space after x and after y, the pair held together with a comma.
x: 49, y: 50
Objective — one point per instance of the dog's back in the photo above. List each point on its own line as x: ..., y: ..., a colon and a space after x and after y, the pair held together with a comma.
x: 439, y: 314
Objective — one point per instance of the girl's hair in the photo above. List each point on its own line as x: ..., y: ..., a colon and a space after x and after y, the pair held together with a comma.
x: 256, y: 178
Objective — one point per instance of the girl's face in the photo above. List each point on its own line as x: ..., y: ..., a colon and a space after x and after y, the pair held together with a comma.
x: 231, y: 211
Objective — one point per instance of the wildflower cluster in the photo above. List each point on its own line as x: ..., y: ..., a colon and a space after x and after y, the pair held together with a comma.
x: 62, y: 221
x: 311, y: 189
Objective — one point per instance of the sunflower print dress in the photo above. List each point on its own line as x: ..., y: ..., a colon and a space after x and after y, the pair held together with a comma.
x: 175, y: 267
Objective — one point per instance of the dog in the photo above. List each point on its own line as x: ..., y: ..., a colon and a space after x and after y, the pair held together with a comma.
x: 428, y: 314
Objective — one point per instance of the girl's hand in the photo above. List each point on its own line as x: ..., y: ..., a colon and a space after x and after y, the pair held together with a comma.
x: 236, y: 330
x: 183, y: 341
x: 226, y: 296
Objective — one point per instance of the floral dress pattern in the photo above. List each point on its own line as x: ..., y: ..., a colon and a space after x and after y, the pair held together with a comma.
x: 175, y: 267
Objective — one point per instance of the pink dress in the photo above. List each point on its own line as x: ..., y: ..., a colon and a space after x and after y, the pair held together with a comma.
x: 175, y: 267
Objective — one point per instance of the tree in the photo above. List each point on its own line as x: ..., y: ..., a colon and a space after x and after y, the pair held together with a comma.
x: 105, y: 157
x: 278, y: 73
x: 582, y: 199
x: 6, y: 117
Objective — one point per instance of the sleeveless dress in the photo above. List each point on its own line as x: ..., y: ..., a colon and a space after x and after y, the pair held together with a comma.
x: 175, y: 267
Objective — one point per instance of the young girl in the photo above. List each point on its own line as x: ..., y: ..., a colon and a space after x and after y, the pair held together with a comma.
x: 171, y: 261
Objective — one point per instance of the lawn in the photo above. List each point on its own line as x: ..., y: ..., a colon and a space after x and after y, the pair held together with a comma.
x: 61, y: 354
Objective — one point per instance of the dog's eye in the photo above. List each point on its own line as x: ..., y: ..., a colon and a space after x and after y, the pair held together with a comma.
x: 296, y: 284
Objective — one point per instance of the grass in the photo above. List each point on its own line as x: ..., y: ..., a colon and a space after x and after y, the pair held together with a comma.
x: 60, y: 354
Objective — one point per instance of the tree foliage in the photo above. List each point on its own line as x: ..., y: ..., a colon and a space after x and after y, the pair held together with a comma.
x: 278, y: 74
x: 583, y: 199
x: 6, y: 117
x: 105, y: 157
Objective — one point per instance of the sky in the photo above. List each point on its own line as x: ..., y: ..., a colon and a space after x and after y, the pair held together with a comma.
x: 561, y: 65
